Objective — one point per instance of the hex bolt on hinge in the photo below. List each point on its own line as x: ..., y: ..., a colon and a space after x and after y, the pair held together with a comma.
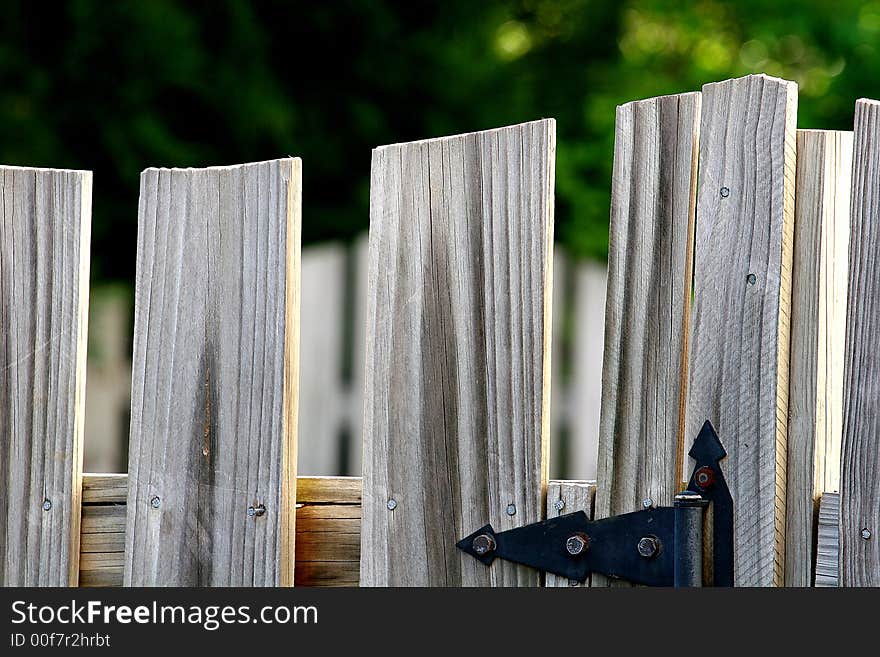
x: 668, y: 546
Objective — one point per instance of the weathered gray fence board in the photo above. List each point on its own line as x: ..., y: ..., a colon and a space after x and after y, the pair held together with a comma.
x: 565, y: 497
x: 860, y: 474
x: 818, y: 323
x: 649, y: 281
x: 458, y: 339
x: 739, y: 347
x: 828, y: 541
x: 44, y: 277
x: 214, y: 376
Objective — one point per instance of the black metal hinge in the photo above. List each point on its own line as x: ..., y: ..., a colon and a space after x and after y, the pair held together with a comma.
x: 660, y: 546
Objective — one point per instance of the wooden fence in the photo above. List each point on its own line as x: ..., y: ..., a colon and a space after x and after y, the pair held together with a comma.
x: 332, y: 339
x: 741, y: 288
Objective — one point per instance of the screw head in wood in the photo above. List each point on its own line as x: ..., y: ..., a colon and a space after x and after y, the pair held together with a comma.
x: 483, y: 544
x: 576, y: 544
x: 559, y: 505
x: 751, y: 279
x: 866, y: 533
x: 647, y: 502
x: 725, y: 192
x: 648, y: 546
x: 391, y: 504
x: 155, y: 502
x: 47, y: 504
x: 511, y: 509
x: 258, y: 510
x: 704, y: 477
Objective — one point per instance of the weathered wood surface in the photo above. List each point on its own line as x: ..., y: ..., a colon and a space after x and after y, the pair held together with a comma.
x: 213, y: 419
x: 648, y: 299
x: 326, y: 506
x: 458, y: 338
x: 565, y: 497
x: 860, y: 474
x: 818, y: 324
x: 739, y: 347
x: 828, y: 541
x: 327, y: 528
x: 44, y: 277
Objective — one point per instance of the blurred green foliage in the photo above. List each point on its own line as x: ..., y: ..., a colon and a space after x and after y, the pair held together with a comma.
x: 119, y: 86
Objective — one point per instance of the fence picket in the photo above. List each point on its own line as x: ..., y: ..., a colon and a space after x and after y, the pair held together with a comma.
x: 739, y: 346
x: 214, y: 377
x: 649, y: 279
x: 457, y: 378
x: 860, y: 474
x: 44, y: 276
x: 818, y: 316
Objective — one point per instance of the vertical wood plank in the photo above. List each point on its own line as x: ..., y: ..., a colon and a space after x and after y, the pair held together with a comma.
x: 818, y: 323
x: 214, y: 376
x: 860, y: 473
x: 321, y: 399
x: 44, y: 280
x: 828, y: 541
x: 565, y: 497
x: 649, y: 280
x: 458, y: 338
x: 738, y: 362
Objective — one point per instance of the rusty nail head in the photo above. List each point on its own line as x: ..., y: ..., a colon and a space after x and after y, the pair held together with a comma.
x: 866, y: 533
x: 511, y: 509
x: 648, y: 546
x: 576, y: 544
x: 725, y: 192
x: 705, y: 477
x: 47, y: 504
x: 391, y: 504
x: 483, y: 544
x: 155, y: 502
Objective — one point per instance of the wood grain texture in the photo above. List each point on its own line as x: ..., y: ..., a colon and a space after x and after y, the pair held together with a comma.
x: 458, y: 337
x: 828, y: 541
x: 326, y: 490
x: 568, y: 497
x: 328, y: 516
x: 213, y: 413
x: 104, y: 488
x: 646, y: 312
x: 44, y: 277
x: 860, y: 472
x: 739, y: 347
x: 818, y: 324
x: 330, y: 506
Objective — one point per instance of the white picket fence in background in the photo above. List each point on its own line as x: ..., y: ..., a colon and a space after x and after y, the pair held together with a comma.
x: 332, y: 339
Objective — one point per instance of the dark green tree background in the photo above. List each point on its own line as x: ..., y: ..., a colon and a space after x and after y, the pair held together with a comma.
x: 118, y: 86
